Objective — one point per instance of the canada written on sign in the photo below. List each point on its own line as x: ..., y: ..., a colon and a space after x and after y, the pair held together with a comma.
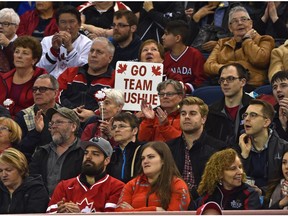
x: 136, y: 98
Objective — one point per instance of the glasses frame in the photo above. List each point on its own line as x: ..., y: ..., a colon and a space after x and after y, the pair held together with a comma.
x: 7, y: 24
x: 2, y: 128
x: 120, y: 25
x: 57, y: 123
x: 229, y: 79
x: 242, y: 19
x: 168, y: 94
x: 41, y: 89
x: 251, y: 115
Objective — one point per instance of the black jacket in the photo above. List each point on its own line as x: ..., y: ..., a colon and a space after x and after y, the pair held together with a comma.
x: 30, y: 197
x: 200, y: 153
x: 276, y: 148
x: 122, y: 161
x: 277, y: 125
x: 152, y: 24
x: 128, y: 53
x: 243, y: 197
x: 71, y: 166
x: 220, y: 126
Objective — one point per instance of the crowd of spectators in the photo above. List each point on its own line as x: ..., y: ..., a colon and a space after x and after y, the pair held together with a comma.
x: 64, y: 150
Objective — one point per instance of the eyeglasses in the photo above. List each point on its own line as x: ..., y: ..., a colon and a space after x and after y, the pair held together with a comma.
x: 168, y: 94
x: 120, y: 127
x: 119, y: 25
x: 57, y: 123
x: 252, y: 115
x: 228, y: 79
x: 41, y: 89
x: 7, y: 24
x: 242, y: 20
x: 2, y: 128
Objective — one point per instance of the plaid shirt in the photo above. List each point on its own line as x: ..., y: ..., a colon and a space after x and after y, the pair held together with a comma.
x: 187, y: 171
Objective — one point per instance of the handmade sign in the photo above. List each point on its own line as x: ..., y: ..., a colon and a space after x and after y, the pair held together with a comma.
x: 138, y: 81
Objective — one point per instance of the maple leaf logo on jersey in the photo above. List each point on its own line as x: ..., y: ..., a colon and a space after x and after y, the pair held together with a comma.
x: 85, y: 206
x: 156, y: 70
x: 122, y: 68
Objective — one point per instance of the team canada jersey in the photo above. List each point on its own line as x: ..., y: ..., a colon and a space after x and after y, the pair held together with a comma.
x: 189, y: 65
x: 100, y: 197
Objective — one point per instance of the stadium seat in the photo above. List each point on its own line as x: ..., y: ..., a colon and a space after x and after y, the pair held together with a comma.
x: 209, y: 94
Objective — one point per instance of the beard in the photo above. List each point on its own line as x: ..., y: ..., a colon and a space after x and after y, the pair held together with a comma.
x: 89, y: 168
x: 59, y: 138
x: 121, y: 38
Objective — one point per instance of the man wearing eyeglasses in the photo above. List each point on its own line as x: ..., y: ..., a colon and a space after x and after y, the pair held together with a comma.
x: 33, y: 120
x: 260, y: 147
x: 224, y: 117
x: 246, y: 47
x: 66, y: 48
x: 126, y: 154
x: 9, y: 22
x: 61, y: 158
x: 126, y: 42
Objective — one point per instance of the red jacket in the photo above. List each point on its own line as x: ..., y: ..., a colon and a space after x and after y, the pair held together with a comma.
x: 30, y: 20
x: 135, y: 193
x: 26, y: 97
x: 151, y: 130
x: 102, y: 196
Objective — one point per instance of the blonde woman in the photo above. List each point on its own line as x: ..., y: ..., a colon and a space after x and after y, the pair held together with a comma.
x: 10, y: 133
x: 19, y: 192
x: 223, y: 182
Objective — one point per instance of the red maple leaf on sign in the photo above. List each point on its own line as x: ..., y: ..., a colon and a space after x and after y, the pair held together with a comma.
x: 156, y: 70
x: 122, y: 68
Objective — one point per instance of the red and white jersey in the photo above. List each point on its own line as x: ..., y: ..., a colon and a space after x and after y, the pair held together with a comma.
x: 100, y: 197
x: 189, y: 65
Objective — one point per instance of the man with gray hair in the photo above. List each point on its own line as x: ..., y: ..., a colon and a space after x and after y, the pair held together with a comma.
x: 33, y: 120
x: 245, y: 47
x: 78, y: 85
x: 9, y: 22
x: 60, y: 159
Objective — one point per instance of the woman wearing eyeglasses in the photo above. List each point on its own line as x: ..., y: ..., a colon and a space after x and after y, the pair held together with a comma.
x: 163, y: 122
x: 19, y: 191
x: 10, y: 133
x: 100, y: 125
x: 158, y: 187
x: 16, y: 85
x: 223, y: 182
x: 246, y: 47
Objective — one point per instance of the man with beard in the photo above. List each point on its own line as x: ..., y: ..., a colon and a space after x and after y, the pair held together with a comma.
x: 194, y: 147
x: 126, y: 42
x: 224, y: 119
x: 61, y: 158
x: 93, y: 190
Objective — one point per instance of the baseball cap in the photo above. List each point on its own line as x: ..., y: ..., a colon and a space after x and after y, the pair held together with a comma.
x: 100, y: 143
x: 209, y: 205
x: 65, y: 112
